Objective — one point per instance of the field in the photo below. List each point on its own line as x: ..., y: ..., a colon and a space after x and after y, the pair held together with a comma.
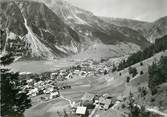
x: 40, y: 66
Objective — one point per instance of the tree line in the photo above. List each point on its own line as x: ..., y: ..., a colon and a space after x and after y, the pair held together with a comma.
x: 157, y: 74
x: 13, y: 100
x: 158, y: 46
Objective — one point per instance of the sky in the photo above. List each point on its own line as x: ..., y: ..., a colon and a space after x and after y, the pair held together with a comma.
x: 146, y: 10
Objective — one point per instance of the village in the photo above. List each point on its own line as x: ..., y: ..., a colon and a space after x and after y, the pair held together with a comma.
x: 48, y: 86
x: 73, y: 90
x: 50, y: 82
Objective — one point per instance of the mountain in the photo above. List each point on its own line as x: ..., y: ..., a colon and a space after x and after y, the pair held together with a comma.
x: 32, y: 29
x: 55, y: 29
x: 91, y: 26
x: 150, y: 30
x: 157, y: 29
x: 139, y: 26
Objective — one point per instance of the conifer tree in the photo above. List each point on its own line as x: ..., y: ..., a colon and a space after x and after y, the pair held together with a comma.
x: 13, y: 100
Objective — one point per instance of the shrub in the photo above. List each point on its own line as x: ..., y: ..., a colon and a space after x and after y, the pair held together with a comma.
x: 114, y: 68
x: 141, y: 72
x: 120, y: 74
x: 128, y: 79
x: 152, y: 99
x: 141, y: 63
x: 123, y: 106
x: 105, y: 72
x: 133, y: 71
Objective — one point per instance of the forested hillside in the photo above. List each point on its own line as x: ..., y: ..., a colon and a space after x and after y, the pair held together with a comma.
x: 157, y: 74
x: 158, y: 46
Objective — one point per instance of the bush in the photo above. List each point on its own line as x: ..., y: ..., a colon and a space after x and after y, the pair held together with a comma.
x: 133, y: 71
x: 114, y: 68
x: 141, y: 72
x: 143, y: 91
x: 123, y: 106
x: 128, y: 79
x: 154, y: 91
x: 105, y: 72
x: 141, y: 63
x: 120, y: 74
x: 152, y: 99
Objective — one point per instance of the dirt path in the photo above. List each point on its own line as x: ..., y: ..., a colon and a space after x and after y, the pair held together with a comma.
x: 70, y: 101
x: 94, y: 111
x: 157, y: 111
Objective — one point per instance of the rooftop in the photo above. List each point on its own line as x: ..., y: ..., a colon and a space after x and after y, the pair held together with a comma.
x: 104, y: 101
x: 81, y: 110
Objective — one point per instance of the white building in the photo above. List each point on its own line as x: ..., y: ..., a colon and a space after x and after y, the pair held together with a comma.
x: 81, y: 110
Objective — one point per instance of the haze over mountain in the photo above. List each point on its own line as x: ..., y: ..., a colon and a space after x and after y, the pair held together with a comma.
x: 146, y: 10
x: 150, y: 30
x: 43, y: 30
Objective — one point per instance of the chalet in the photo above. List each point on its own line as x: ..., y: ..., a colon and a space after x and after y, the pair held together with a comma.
x: 104, y: 103
x: 54, y: 95
x: 33, y: 92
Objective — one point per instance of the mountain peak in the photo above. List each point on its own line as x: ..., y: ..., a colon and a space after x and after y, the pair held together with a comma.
x: 57, y: 28
x: 164, y: 18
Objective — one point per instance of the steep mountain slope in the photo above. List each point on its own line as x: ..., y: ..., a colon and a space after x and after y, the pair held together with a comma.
x: 136, y: 25
x: 31, y: 30
x: 92, y: 27
x: 157, y: 29
x: 150, y: 30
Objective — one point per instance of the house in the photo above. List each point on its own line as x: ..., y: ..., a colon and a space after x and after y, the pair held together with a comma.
x: 33, y: 92
x: 88, y: 100
x: 69, y: 76
x: 120, y: 98
x: 54, y: 95
x: 53, y: 75
x: 48, y: 90
x: 81, y: 110
x: 83, y: 74
x: 104, y: 103
x: 76, y: 72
